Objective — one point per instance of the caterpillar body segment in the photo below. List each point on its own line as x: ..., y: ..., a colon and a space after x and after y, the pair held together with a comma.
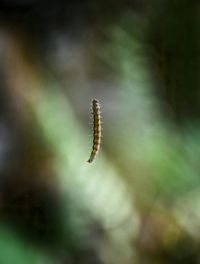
x: 96, y: 113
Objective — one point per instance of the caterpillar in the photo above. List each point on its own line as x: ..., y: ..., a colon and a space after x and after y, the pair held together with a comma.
x: 96, y: 129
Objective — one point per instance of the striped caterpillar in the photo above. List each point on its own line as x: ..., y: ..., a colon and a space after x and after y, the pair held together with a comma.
x: 96, y: 129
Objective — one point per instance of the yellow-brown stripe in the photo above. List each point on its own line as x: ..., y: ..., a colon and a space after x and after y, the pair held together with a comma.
x: 96, y: 129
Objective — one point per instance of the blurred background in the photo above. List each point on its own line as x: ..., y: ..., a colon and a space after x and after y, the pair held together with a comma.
x: 139, y: 201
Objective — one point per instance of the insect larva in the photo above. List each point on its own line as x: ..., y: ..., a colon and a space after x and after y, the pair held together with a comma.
x: 96, y: 129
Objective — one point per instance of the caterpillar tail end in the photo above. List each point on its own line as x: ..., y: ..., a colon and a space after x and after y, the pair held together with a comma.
x: 91, y: 158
